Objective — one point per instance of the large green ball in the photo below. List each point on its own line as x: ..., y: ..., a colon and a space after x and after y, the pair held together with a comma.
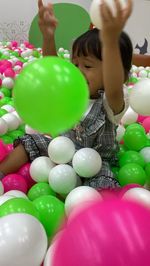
x: 18, y: 205
x: 40, y: 189
x: 135, y: 139
x: 52, y: 213
x: 131, y: 157
x: 132, y: 173
x: 51, y: 95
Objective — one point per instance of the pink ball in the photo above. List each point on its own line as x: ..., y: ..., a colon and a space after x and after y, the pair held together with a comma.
x: 3, y: 151
x: 141, y: 118
x: 14, y: 44
x: 124, y: 189
x: 112, y: 232
x: 6, y: 63
x: 146, y: 124
x: 9, y: 72
x: 24, y: 171
x: 14, y: 182
x: 30, y: 46
x: 3, y: 69
x: 19, y: 63
x: 26, y: 43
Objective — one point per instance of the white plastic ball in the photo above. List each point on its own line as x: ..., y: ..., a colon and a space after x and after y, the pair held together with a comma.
x: 145, y: 152
x: 87, y: 162
x: 16, y: 194
x: 95, y: 10
x: 140, y: 97
x: 147, y: 68
x: 134, y: 74
x: 6, y: 53
x: 140, y: 68
x: 143, y: 74
x: 61, y: 50
x: 12, y: 121
x: 134, y: 68
x: 129, y: 117
x: 16, y: 50
x: 62, y: 178
x: 18, y: 117
x: 61, y: 150
x: 39, y: 49
x: 1, y: 189
x: 31, y: 60
x: 40, y: 168
x: 48, y: 261
x: 27, y: 53
x: 15, y: 59
x: 31, y: 57
x: 5, y: 198
x: 8, y: 83
x: 66, y: 51
x: 16, y: 68
x: 80, y: 195
x: 67, y: 56
x: 120, y: 133
x: 22, y: 46
x: 140, y: 195
x: 8, y: 108
x: 8, y: 43
x: 3, y: 127
x: 23, y: 240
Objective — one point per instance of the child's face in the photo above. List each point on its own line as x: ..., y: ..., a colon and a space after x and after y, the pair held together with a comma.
x: 91, y: 68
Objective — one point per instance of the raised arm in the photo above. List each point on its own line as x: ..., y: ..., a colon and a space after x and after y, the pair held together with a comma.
x: 113, y: 71
x: 47, y: 25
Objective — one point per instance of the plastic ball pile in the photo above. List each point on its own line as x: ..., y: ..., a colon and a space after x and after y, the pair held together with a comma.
x: 42, y: 195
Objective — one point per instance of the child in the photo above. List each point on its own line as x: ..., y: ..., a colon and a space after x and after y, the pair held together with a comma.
x: 104, y: 57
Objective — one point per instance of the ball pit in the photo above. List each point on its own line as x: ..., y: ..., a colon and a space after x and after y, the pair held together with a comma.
x: 132, y: 134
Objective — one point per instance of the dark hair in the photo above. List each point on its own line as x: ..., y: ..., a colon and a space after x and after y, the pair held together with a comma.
x: 89, y: 44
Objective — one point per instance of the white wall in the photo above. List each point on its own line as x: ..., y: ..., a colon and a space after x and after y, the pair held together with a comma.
x: 138, y: 25
x: 16, y: 17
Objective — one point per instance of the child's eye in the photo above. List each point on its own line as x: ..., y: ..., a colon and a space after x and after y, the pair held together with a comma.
x: 88, y: 66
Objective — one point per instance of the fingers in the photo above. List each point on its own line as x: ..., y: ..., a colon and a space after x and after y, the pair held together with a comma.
x: 122, y: 14
x: 128, y: 10
x: 44, y: 9
x: 49, y: 19
x: 40, y: 4
x: 118, y: 8
x: 106, y: 12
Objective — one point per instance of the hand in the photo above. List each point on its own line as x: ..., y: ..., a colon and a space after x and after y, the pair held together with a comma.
x: 47, y: 20
x: 112, y: 25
